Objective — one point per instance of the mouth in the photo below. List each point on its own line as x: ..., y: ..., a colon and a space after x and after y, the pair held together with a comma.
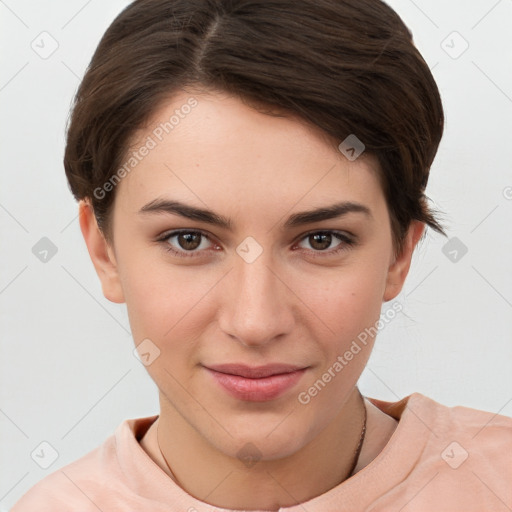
x: 256, y: 383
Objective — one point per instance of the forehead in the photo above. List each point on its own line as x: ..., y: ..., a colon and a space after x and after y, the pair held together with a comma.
x: 216, y: 149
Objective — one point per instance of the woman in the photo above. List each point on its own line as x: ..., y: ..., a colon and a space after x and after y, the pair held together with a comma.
x: 251, y: 178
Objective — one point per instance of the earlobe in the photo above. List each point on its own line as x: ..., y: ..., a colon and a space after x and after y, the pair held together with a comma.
x: 399, y: 269
x: 101, y: 253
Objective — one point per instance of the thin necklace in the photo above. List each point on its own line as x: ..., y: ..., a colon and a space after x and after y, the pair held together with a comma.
x: 349, y: 474
x: 361, y: 441
x: 173, y: 476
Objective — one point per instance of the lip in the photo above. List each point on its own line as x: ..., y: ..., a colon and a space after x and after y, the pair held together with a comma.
x: 256, y: 383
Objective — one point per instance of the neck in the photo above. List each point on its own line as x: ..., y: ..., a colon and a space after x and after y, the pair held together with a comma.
x: 218, y: 479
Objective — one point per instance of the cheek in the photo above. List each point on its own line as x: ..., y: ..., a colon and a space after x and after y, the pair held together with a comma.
x: 350, y: 305
x: 165, y: 303
x: 345, y: 301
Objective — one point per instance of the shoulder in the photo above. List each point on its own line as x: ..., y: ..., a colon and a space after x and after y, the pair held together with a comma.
x: 466, y: 459
x: 67, y: 488
x: 476, y: 430
x: 442, y: 458
x: 482, y: 428
x: 88, y: 483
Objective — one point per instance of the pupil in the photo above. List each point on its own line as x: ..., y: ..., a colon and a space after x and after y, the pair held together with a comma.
x: 320, y: 241
x: 189, y: 240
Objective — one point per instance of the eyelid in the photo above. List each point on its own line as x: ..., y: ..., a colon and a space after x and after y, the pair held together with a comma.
x: 340, y: 232
x: 173, y: 232
x: 346, y: 240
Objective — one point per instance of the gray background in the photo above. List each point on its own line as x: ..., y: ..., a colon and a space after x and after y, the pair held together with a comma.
x: 68, y: 373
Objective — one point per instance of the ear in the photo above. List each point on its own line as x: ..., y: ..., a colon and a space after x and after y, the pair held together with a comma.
x: 399, y: 269
x: 101, y: 253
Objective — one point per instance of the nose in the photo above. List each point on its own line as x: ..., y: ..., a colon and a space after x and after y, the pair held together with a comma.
x: 258, y: 307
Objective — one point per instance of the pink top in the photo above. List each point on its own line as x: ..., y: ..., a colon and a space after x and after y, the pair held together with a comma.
x: 438, y: 459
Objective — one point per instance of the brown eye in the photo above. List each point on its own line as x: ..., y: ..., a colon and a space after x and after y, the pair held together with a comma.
x: 320, y: 241
x: 328, y: 242
x: 189, y: 241
x: 186, y: 243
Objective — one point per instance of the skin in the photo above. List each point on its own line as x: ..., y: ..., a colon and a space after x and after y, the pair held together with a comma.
x: 295, y: 304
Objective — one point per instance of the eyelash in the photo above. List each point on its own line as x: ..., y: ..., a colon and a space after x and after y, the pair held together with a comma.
x: 347, y: 242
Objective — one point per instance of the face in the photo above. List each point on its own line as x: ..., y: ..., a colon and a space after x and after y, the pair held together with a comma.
x: 248, y: 240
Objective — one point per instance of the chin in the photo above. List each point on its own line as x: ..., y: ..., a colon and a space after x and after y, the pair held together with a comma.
x: 268, y: 439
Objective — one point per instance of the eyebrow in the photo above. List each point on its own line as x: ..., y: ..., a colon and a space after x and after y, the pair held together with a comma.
x: 336, y: 210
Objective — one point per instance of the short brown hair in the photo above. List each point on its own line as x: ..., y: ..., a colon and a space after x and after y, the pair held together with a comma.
x: 346, y: 66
